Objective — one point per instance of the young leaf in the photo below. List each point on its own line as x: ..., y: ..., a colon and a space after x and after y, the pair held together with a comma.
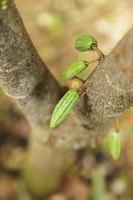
x: 63, y: 107
x: 85, y: 42
x: 115, y: 145
x: 74, y: 69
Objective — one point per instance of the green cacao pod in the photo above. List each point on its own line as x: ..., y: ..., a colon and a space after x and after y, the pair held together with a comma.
x: 74, y: 69
x: 63, y: 107
x: 115, y: 145
x: 85, y: 42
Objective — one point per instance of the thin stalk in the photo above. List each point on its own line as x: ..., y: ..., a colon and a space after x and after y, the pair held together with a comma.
x: 101, y: 55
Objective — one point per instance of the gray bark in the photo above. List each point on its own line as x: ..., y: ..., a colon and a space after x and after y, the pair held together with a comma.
x: 23, y: 75
x: 109, y: 89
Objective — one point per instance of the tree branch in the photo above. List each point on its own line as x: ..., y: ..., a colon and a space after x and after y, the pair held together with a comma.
x: 109, y: 89
x: 26, y: 79
x: 23, y: 75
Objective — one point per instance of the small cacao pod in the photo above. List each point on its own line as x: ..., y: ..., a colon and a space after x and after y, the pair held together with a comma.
x: 64, y: 107
x: 85, y: 42
x: 115, y: 145
x: 74, y: 69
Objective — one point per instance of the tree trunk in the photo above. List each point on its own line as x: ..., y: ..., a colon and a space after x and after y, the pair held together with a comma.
x: 28, y: 82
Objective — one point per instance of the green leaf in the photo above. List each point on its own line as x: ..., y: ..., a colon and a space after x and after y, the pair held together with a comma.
x: 74, y: 69
x: 85, y: 42
x: 115, y: 145
x: 63, y: 107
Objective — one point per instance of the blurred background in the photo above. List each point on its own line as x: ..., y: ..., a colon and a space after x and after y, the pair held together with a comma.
x: 52, y: 26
